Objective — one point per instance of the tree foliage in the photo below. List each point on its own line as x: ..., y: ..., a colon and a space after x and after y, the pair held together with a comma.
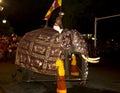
x: 75, y: 11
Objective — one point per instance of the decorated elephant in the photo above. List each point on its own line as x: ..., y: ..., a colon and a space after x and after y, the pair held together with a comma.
x: 39, y: 49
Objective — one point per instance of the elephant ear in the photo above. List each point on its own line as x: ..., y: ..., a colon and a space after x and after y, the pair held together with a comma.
x: 66, y: 38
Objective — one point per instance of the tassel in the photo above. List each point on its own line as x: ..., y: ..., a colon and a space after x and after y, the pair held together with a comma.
x: 61, y: 84
x: 74, y: 69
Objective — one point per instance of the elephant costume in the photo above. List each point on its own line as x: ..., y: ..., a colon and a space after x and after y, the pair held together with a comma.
x: 39, y: 49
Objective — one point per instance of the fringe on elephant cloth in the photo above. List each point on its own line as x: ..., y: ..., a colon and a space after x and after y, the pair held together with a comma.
x: 74, y: 68
x: 61, y: 84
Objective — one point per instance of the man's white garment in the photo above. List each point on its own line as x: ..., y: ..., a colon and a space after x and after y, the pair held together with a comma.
x: 57, y: 28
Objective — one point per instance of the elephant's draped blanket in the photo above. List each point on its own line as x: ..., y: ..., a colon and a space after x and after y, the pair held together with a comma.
x: 39, y: 49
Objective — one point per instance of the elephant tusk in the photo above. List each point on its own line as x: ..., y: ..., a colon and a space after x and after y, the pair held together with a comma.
x: 91, y: 60
x: 94, y: 58
x: 84, y: 57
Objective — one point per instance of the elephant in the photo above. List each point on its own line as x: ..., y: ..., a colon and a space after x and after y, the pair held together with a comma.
x: 39, y: 49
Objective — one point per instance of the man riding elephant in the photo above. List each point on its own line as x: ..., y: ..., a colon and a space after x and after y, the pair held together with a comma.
x: 58, y: 23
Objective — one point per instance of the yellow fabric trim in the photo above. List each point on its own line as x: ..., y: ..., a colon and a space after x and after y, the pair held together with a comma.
x: 60, y: 66
x: 73, y: 59
x: 75, y: 73
x: 74, y: 69
x: 61, y: 91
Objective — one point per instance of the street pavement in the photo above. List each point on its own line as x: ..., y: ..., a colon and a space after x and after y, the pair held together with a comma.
x: 107, y: 78
x: 101, y: 79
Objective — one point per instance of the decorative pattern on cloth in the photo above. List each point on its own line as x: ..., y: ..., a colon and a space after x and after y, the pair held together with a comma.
x: 66, y: 38
x: 38, y: 50
x: 73, y: 38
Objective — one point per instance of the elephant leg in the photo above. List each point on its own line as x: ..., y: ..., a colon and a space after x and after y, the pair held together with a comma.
x: 67, y: 64
x: 27, y: 75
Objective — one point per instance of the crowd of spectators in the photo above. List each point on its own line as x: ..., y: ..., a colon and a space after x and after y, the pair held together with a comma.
x: 8, y: 46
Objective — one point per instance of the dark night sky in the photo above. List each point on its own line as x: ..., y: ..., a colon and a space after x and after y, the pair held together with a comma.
x: 26, y: 15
